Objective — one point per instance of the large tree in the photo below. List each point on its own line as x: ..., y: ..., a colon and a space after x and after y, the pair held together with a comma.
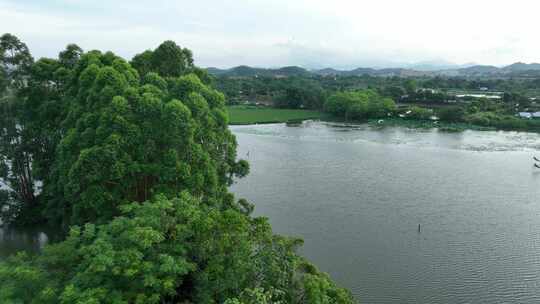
x: 168, y: 60
x: 16, y: 177
x: 33, y: 108
x: 129, y: 138
x: 359, y: 104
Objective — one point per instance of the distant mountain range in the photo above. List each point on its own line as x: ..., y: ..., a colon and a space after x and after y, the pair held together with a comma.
x: 518, y: 69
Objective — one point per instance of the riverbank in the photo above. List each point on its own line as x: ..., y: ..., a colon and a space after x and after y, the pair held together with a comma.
x: 428, y: 124
x: 245, y: 115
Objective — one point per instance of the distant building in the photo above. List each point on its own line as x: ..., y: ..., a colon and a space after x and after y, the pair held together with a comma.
x: 536, y: 115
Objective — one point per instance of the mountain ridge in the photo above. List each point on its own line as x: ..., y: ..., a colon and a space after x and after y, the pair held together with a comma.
x: 467, y: 70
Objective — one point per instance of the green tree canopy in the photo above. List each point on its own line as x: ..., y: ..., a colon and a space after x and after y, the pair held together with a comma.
x: 298, y: 93
x: 168, y: 60
x: 30, y: 129
x: 129, y: 138
x: 359, y: 104
x: 169, y: 251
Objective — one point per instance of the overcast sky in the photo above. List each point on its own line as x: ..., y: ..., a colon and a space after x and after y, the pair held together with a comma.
x: 309, y: 33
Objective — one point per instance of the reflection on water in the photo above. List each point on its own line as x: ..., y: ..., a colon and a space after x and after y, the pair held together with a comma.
x: 356, y: 196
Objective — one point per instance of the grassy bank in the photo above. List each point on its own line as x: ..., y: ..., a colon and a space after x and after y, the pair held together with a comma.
x: 243, y: 115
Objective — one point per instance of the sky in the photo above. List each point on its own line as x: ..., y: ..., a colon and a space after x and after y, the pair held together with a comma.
x: 272, y: 33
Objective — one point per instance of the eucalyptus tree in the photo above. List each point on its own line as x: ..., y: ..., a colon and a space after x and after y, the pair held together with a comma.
x: 168, y: 60
x: 129, y: 138
x: 16, y: 178
x: 15, y: 60
x: 33, y: 108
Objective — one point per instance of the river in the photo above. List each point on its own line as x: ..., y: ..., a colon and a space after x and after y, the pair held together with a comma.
x: 356, y: 195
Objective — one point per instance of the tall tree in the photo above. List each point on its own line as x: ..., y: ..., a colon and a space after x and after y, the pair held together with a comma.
x: 15, y: 138
x: 128, y: 139
x: 15, y: 60
x: 33, y: 112
x: 168, y: 60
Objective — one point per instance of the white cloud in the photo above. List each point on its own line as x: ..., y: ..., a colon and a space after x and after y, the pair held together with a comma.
x: 279, y: 32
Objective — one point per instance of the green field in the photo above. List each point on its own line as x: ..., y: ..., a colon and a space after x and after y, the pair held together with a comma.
x: 243, y: 115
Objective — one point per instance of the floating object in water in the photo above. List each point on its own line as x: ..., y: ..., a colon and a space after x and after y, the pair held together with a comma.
x: 536, y: 159
x: 537, y: 166
x: 418, y: 228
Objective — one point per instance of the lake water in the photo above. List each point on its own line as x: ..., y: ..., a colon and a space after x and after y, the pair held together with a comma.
x: 356, y: 195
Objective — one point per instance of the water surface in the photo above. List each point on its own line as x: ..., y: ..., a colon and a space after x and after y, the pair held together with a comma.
x: 356, y: 195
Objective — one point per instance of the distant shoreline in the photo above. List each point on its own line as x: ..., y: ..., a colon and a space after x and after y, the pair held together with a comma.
x: 248, y: 115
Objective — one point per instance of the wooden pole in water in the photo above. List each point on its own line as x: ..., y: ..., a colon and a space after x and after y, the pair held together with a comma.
x: 418, y: 228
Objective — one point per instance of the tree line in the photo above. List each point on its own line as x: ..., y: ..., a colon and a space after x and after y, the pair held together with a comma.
x: 134, y: 159
x: 420, y: 98
x: 403, y: 89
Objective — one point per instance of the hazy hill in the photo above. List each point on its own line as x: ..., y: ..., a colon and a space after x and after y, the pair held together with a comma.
x: 479, y: 70
x: 517, y: 69
x: 520, y: 67
x: 247, y: 71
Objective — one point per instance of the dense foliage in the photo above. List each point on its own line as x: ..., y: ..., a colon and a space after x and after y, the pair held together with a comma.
x: 168, y: 60
x: 359, y: 104
x: 429, y: 90
x: 301, y: 94
x: 128, y: 139
x: 138, y: 168
x: 169, y: 251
